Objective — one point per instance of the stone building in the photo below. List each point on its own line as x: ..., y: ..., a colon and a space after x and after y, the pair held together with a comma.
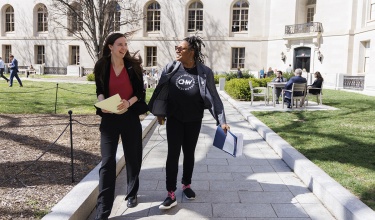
x: 333, y: 37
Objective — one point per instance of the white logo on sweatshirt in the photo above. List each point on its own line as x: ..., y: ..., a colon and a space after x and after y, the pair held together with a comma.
x: 185, y: 82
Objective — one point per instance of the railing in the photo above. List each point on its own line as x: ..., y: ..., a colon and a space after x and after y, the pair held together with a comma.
x: 310, y: 27
x: 354, y: 82
x: 55, y: 70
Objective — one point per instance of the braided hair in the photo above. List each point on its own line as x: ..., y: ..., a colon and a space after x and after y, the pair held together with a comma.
x: 196, y: 43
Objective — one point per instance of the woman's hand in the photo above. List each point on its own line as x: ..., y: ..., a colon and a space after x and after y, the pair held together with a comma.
x: 225, y: 127
x: 161, y: 120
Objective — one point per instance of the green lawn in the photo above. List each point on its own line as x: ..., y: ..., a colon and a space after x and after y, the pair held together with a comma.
x: 39, y: 98
x: 340, y: 142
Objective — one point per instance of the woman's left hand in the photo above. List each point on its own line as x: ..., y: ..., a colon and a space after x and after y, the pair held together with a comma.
x: 225, y: 127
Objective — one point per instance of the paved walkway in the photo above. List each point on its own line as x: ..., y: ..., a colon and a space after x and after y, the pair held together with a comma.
x: 257, y: 185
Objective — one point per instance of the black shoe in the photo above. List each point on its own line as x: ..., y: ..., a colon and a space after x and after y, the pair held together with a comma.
x: 132, y: 201
x: 289, y: 106
x: 277, y: 102
x: 189, y: 193
x: 169, y: 202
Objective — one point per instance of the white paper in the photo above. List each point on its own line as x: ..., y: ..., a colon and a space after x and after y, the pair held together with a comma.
x: 110, y: 104
x: 230, y: 143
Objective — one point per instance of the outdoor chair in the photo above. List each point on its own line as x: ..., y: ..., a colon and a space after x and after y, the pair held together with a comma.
x: 296, y: 88
x: 263, y: 92
x: 319, y: 96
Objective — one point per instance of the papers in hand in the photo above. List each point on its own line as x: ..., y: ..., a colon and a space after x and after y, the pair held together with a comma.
x: 230, y: 143
x: 110, y: 104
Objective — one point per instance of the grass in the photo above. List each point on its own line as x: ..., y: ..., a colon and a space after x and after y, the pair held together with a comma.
x: 340, y: 142
x: 40, y: 97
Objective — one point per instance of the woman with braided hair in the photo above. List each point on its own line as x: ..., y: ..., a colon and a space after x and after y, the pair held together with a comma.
x: 190, y: 89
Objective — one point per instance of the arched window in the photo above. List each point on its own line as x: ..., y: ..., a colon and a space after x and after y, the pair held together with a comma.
x: 42, y: 18
x: 240, y: 16
x: 9, y: 19
x: 195, y: 17
x: 75, y: 16
x: 153, y: 17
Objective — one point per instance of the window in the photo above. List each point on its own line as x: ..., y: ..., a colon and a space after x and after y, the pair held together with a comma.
x: 310, y: 15
x: 240, y: 16
x: 74, y: 55
x: 75, y: 16
x: 310, y: 10
x: 366, y: 65
x: 114, y: 16
x: 153, y: 17
x: 9, y: 19
x: 195, y: 17
x: 151, y: 56
x: 372, y: 10
x: 40, y: 54
x: 7, y: 51
x: 42, y: 19
x: 238, y: 58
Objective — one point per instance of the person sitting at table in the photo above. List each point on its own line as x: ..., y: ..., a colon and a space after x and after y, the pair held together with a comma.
x: 297, y: 78
x: 279, y: 78
x: 317, y: 84
x: 31, y: 68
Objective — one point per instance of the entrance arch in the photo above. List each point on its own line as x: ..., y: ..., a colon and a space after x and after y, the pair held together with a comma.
x: 302, y: 58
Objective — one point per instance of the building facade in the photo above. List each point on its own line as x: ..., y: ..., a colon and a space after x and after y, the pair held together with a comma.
x: 333, y: 37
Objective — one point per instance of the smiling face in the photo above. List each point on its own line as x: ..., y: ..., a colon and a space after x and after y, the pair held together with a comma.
x: 183, y: 53
x: 119, y: 47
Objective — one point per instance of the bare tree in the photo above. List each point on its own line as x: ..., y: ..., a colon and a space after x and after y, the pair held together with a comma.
x: 91, y: 21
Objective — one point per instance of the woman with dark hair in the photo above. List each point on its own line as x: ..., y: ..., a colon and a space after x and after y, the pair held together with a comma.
x: 188, y: 87
x: 118, y: 72
x: 317, y: 84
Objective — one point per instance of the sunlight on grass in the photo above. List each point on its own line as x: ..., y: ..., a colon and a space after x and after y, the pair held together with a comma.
x: 40, y: 98
x: 340, y: 142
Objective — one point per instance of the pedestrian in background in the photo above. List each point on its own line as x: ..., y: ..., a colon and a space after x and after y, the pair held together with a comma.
x: 239, y: 73
x: 2, y: 67
x: 13, y: 66
x: 118, y: 72
x: 190, y: 88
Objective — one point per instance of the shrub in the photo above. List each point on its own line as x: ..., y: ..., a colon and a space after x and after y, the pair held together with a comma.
x: 217, y: 77
x: 90, y: 77
x: 240, y: 89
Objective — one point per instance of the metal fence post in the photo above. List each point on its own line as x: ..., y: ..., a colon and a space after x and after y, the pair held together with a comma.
x: 71, y: 144
x: 57, y: 88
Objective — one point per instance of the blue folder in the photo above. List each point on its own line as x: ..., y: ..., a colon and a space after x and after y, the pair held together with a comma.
x: 226, y: 142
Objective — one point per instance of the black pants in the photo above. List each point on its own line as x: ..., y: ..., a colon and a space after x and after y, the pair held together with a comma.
x: 112, y: 126
x: 185, y: 135
x: 2, y: 74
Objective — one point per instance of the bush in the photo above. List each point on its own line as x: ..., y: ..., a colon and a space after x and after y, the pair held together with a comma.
x: 240, y: 89
x: 217, y: 77
x: 90, y: 77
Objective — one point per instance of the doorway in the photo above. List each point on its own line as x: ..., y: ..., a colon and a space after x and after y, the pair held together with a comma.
x: 302, y: 58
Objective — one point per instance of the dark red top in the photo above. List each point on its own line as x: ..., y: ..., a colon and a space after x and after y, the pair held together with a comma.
x: 120, y: 84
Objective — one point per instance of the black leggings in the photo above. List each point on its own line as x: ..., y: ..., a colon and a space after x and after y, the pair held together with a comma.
x: 179, y: 134
x: 113, y: 126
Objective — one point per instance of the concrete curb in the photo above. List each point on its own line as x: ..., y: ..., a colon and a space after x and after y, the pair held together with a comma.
x: 339, y: 201
x: 81, y: 200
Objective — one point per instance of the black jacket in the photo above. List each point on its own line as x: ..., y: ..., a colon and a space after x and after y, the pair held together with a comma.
x: 102, y: 83
x: 207, y: 89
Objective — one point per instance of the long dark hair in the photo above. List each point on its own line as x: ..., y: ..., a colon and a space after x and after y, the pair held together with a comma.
x: 196, y: 43
x: 134, y: 58
x: 318, y: 75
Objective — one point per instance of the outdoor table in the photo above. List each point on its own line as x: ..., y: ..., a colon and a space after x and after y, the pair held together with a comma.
x: 274, y: 85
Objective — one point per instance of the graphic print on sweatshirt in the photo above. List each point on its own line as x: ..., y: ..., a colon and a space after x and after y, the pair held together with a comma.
x: 185, y: 82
